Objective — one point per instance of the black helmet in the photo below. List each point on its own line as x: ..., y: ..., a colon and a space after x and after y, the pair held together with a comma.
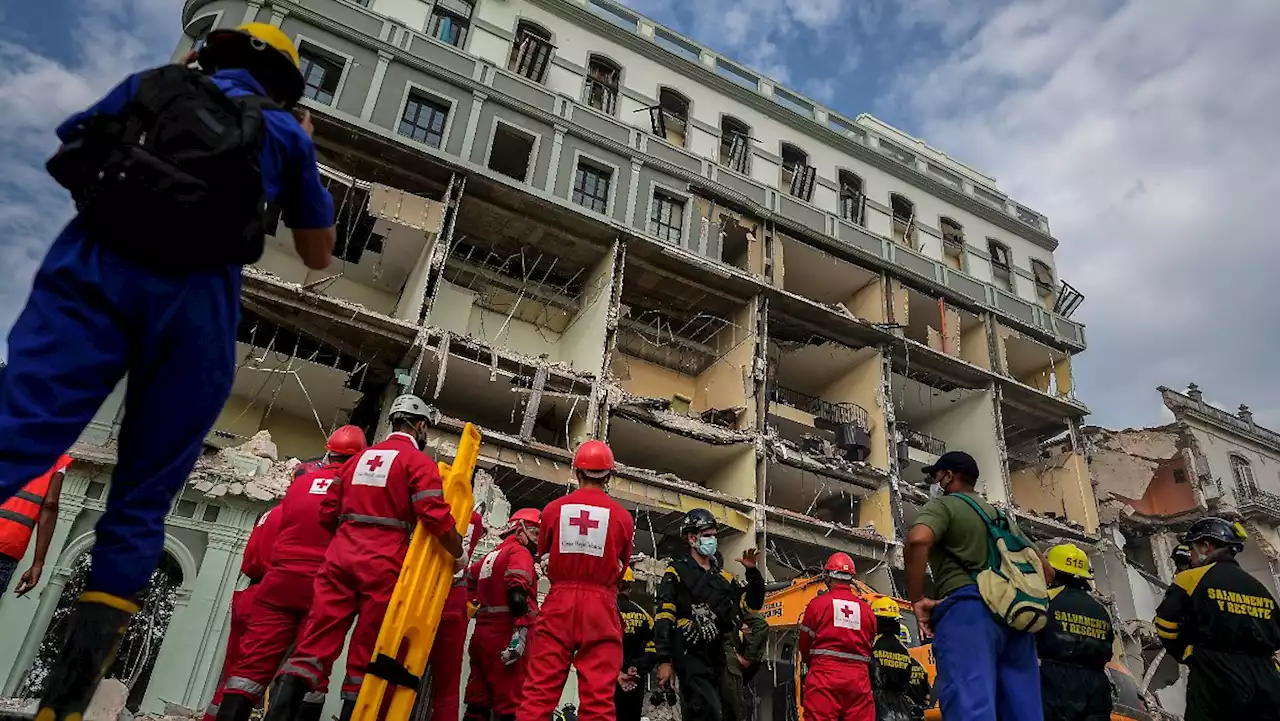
x: 1181, y: 554
x: 1217, y: 529
x: 697, y: 521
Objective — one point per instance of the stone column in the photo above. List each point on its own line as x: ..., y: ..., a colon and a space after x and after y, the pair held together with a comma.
x: 375, y: 86
x: 553, y: 168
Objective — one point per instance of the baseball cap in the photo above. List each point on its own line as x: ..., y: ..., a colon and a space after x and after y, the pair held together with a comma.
x: 958, y: 461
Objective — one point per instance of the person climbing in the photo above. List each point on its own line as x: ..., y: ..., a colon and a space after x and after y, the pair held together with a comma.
x: 1077, y: 643
x: 285, y: 595
x: 372, y: 507
x: 170, y: 153
x: 836, y: 632
x: 899, y: 682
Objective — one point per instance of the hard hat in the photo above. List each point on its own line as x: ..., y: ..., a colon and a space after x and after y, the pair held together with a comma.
x: 1181, y: 552
x: 840, y: 562
x: 262, y: 49
x: 697, y: 521
x: 594, y: 459
x: 1069, y: 559
x: 346, y: 441
x: 886, y: 607
x: 1217, y: 529
x: 628, y: 575
x: 531, y: 516
x: 409, y: 405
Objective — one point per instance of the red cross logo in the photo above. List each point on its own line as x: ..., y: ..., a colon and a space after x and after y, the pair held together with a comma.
x: 374, y: 463
x: 584, y: 523
x: 848, y: 611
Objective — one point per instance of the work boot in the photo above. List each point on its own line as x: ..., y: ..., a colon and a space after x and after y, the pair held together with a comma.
x: 235, y: 708
x: 312, y: 707
x: 97, y: 626
x: 348, y: 708
x: 286, y: 699
x: 477, y: 713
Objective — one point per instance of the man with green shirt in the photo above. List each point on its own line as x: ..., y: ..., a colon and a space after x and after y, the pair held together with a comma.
x: 987, y: 671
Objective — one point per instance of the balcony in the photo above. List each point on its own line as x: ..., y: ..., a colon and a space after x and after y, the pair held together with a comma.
x: 833, y: 414
x: 925, y: 443
x: 1256, y: 503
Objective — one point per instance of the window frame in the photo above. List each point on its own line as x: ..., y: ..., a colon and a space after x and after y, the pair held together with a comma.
x: 860, y: 217
x: 526, y: 26
x: 661, y: 111
x: 956, y: 246
x: 656, y: 189
x: 589, y: 81
x: 1239, y: 463
x: 531, y: 171
x: 451, y: 104
x: 1044, y: 286
x: 465, y: 23
x: 1007, y: 265
x: 346, y: 60
x: 615, y: 175
x: 724, y: 157
x: 788, y: 186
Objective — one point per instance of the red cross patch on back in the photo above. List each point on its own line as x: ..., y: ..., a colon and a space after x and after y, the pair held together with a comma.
x: 847, y: 614
x: 320, y: 486
x: 373, y: 467
x: 583, y: 529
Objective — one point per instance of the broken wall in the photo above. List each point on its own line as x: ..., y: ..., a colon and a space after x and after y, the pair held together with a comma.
x: 288, y: 267
x: 455, y: 309
x: 970, y: 426
x: 974, y: 347
x: 868, y: 302
x: 582, y: 344
x: 729, y: 382
x: 414, y: 294
x: 737, y: 476
x: 295, y: 436
x: 864, y: 384
x: 876, y: 510
x: 650, y: 380
x: 1057, y: 486
x: 1136, y: 467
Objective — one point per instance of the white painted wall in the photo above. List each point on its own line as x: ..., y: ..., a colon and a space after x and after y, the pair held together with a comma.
x: 970, y: 426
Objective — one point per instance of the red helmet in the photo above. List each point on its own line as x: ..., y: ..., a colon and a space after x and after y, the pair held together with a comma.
x: 840, y: 562
x: 346, y: 441
x: 594, y: 459
x: 531, y: 516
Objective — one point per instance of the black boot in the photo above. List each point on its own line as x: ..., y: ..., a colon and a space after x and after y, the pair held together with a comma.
x: 93, y: 637
x: 235, y: 707
x: 286, y: 699
x: 348, y: 708
x: 477, y: 713
x: 311, y: 710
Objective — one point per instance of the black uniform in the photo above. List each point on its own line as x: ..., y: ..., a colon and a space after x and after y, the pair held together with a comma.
x: 898, y: 681
x: 1223, y: 624
x: 637, y: 652
x: 700, y: 665
x: 1075, y: 647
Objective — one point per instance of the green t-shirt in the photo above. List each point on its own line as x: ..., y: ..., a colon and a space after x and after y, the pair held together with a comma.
x: 959, y: 529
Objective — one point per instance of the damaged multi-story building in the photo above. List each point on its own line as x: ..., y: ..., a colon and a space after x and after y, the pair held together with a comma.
x: 559, y: 220
x: 1152, y: 484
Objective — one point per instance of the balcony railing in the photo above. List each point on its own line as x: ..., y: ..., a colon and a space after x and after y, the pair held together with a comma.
x: 926, y: 443
x: 833, y: 413
x: 1255, y: 501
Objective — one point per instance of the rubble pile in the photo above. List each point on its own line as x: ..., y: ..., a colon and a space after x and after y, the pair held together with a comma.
x: 251, y: 469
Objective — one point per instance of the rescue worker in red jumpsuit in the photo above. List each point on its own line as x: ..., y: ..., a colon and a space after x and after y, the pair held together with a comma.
x: 505, y: 589
x: 587, y: 537
x: 284, y: 598
x: 450, y: 645
x: 253, y: 566
x: 836, y: 634
x: 372, y: 508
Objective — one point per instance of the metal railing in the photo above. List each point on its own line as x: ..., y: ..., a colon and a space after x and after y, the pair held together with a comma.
x: 835, y: 413
x: 1255, y: 500
x: 926, y: 443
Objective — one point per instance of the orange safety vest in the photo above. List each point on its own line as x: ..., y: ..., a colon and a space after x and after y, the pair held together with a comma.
x: 18, y: 515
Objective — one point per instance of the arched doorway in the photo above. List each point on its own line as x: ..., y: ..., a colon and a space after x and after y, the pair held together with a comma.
x: 141, y: 646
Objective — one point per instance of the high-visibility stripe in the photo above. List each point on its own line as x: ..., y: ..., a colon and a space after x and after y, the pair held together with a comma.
x: 518, y: 572
x: 249, y: 686
x: 493, y: 609
x: 1166, y: 624
x: 374, y: 520
x: 429, y: 493
x: 106, y: 599
x: 296, y: 670
x: 840, y: 654
x: 806, y: 629
x: 19, y: 518
x: 313, y: 697
x: 1171, y: 635
x: 30, y: 497
x: 669, y: 607
x: 665, y: 616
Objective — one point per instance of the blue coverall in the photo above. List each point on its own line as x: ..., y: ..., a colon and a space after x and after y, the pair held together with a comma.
x: 986, y: 670
x: 94, y: 316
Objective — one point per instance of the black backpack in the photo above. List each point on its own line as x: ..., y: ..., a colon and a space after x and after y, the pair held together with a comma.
x: 174, y: 180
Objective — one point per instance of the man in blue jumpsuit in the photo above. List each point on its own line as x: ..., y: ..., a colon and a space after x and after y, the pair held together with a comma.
x: 96, y: 314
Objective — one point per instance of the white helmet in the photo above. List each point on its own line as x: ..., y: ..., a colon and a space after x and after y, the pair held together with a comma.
x: 409, y: 405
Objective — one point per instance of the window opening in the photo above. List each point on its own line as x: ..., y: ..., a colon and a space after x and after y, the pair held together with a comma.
x: 424, y: 119
x: 591, y: 187
x: 511, y: 153
x: 904, y: 220
x: 797, y: 175
x: 735, y: 144
x: 601, y: 89
x: 451, y: 21
x: 852, y: 199
x: 321, y: 73
x: 531, y: 52
x: 666, y: 218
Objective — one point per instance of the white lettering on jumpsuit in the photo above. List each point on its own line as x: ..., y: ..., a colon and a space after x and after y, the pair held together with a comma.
x: 583, y: 529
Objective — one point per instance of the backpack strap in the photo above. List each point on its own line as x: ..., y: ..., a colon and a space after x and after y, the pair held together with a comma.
x: 991, y: 538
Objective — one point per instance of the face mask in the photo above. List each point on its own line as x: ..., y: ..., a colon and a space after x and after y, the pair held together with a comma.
x: 707, y: 545
x: 936, y: 492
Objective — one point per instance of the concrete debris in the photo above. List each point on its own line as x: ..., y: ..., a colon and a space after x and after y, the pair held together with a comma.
x: 19, y: 706
x: 250, y: 469
x: 108, y: 701
x: 1124, y: 462
x: 650, y: 410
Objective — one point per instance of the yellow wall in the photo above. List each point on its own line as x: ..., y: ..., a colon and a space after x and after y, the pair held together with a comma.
x: 1059, y: 485
x: 876, y: 510
x: 649, y: 380
x: 899, y: 302
x: 725, y: 383
x: 862, y: 385
x: 973, y: 346
x: 737, y: 476
x: 868, y: 303
x: 294, y: 436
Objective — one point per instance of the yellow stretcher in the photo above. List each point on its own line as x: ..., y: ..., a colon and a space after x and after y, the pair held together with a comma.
x: 404, y: 643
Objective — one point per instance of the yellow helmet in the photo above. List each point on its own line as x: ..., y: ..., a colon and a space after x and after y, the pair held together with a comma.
x: 628, y: 576
x: 262, y: 49
x: 886, y: 607
x: 1069, y: 559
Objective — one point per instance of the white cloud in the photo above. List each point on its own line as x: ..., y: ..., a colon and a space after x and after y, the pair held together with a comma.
x: 1146, y: 132
x: 112, y: 38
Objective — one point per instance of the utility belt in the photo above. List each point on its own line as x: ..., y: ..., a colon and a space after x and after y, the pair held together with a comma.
x: 381, y: 521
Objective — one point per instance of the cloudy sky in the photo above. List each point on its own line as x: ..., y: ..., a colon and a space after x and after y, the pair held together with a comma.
x: 1143, y: 128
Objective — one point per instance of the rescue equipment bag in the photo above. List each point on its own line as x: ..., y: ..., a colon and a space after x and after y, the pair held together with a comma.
x: 1012, y: 584
x: 174, y: 180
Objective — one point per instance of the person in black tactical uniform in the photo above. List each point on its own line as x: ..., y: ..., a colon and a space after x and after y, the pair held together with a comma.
x: 898, y: 681
x: 698, y: 602
x: 1076, y: 645
x: 1223, y: 624
x: 1181, y: 558
x: 637, y: 653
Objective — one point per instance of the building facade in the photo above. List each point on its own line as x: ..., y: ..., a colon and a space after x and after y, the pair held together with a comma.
x: 559, y: 220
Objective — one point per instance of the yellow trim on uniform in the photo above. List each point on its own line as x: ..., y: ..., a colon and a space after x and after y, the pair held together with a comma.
x: 669, y: 607
x: 1190, y: 578
x: 672, y: 571
x: 1171, y: 635
x: 106, y: 599
x: 727, y: 576
x: 1053, y: 592
x: 665, y: 616
x: 1169, y: 625
x: 650, y: 648
x: 1187, y: 654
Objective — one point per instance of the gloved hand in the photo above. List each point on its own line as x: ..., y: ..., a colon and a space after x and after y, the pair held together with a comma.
x: 702, y: 625
x: 515, y: 649
x: 461, y: 562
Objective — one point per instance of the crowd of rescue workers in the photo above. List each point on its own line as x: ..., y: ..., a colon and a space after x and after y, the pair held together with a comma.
x: 176, y: 175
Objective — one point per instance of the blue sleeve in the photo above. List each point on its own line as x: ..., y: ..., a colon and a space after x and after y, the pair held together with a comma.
x: 291, y: 177
x: 112, y: 104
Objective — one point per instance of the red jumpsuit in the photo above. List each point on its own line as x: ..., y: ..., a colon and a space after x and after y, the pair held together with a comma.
x: 285, y: 596
x: 588, y: 537
x: 451, y: 638
x: 253, y: 566
x: 835, y: 641
x: 493, y: 684
x: 374, y: 504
